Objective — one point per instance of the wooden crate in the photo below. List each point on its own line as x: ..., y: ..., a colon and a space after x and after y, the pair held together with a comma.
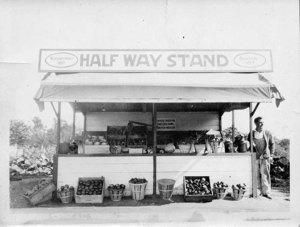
x: 42, y: 195
x: 197, y: 198
x: 90, y: 198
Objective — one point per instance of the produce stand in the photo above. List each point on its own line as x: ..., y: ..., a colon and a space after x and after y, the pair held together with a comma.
x: 174, y: 107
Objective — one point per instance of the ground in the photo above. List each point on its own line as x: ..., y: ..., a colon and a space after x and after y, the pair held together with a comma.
x: 149, y: 210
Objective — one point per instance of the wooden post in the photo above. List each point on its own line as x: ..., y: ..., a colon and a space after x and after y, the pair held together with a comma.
x: 154, y: 118
x: 253, y: 156
x: 55, y: 157
x: 58, y: 127
x: 74, y: 119
x: 233, y: 125
x: 84, y: 132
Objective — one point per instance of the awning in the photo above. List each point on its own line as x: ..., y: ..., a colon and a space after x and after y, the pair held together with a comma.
x: 156, y: 88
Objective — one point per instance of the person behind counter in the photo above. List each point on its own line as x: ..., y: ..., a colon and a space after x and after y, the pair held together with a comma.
x: 264, y: 146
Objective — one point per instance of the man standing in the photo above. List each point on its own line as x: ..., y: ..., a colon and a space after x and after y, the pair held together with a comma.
x: 264, y: 146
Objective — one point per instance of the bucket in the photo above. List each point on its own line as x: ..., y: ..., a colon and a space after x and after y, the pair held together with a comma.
x: 228, y: 147
x: 242, y: 148
x: 165, y: 187
x: 238, y: 194
x: 138, y: 190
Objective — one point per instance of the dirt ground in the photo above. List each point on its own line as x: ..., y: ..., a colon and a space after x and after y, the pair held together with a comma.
x: 18, y: 188
x: 152, y: 211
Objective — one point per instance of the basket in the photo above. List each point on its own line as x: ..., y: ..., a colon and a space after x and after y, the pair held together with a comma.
x: 184, y: 148
x: 238, y: 194
x: 66, y: 197
x: 115, y: 149
x: 200, y: 148
x: 90, y: 198
x: 138, y: 190
x: 41, y: 195
x: 165, y: 187
x: 220, y: 193
x: 116, y: 194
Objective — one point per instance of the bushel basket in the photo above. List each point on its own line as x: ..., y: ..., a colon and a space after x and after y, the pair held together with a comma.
x: 165, y: 187
x: 138, y: 190
x: 116, y: 194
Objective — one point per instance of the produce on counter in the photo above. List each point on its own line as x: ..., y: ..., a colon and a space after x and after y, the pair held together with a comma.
x: 90, y: 187
x: 170, y: 148
x: 197, y: 186
x: 138, y: 181
x: 95, y: 140
x: 42, y: 184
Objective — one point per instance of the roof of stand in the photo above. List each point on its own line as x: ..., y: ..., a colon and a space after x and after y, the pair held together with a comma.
x: 95, y: 91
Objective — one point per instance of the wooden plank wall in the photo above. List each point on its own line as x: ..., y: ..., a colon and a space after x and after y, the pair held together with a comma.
x: 184, y: 120
x: 116, y: 170
x: 229, y: 169
x: 119, y: 170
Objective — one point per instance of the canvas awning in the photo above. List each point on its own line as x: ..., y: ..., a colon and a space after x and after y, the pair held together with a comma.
x: 209, y: 88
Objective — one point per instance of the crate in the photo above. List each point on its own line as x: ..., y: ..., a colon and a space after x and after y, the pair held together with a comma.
x: 42, y: 195
x: 197, y: 198
x: 90, y: 198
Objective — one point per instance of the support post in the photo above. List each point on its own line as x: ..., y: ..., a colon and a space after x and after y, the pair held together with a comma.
x: 253, y: 156
x: 58, y: 127
x: 233, y: 125
x: 84, y: 132
x: 74, y: 119
x: 154, y: 118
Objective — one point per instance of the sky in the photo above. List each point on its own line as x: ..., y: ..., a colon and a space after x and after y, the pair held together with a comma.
x: 28, y: 26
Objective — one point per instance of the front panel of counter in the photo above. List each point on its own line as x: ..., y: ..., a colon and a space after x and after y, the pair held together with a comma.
x: 119, y: 169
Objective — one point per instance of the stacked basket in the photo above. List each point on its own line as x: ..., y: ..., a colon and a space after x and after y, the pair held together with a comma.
x: 138, y: 188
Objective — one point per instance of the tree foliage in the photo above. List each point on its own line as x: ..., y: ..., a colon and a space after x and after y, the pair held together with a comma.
x: 19, y: 133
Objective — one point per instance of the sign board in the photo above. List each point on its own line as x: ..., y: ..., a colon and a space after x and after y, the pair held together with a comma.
x: 155, y: 60
x: 166, y: 124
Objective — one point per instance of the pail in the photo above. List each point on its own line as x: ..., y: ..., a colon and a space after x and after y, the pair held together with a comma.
x: 165, y: 187
x: 228, y: 146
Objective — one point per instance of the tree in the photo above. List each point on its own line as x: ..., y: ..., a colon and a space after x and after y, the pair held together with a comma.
x: 19, y: 133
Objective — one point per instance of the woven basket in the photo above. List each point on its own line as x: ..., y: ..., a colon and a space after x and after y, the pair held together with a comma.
x: 66, y: 198
x: 116, y: 194
x: 165, y: 187
x: 115, y: 149
x: 184, y: 148
x: 220, y: 193
x: 238, y: 194
x: 138, y: 190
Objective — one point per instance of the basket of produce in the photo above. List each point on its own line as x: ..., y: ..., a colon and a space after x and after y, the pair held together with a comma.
x: 238, y: 191
x: 197, y: 189
x: 41, y: 192
x: 165, y: 187
x: 116, y: 191
x: 90, y: 190
x: 169, y: 148
x: 115, y: 149
x: 66, y: 193
x: 138, y: 188
x: 184, y: 148
x: 220, y: 190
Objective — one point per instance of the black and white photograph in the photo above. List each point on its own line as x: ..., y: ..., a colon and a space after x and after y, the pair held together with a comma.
x: 149, y: 113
